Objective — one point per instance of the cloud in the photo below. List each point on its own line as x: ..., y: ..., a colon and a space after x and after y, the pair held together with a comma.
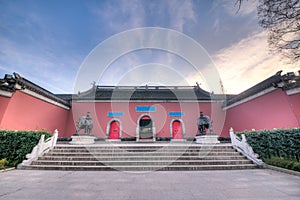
x: 35, y: 48
x: 32, y: 46
x: 181, y: 14
x: 136, y: 67
x: 152, y: 74
x: 36, y: 65
x: 248, y: 62
x: 119, y: 17
x: 126, y: 15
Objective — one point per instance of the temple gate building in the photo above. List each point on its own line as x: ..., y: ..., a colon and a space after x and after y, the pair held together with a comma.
x: 157, y: 113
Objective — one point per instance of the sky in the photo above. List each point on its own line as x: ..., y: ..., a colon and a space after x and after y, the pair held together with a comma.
x: 53, y: 43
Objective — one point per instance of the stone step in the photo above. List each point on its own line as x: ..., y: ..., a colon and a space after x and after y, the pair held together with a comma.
x: 141, y: 168
x: 142, y: 157
x: 186, y: 146
x: 200, y: 154
x: 143, y: 162
x: 143, y: 149
x: 140, y: 151
x: 136, y: 150
x: 239, y: 157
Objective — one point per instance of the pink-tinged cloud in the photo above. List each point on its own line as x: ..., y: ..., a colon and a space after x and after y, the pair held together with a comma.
x: 248, y: 62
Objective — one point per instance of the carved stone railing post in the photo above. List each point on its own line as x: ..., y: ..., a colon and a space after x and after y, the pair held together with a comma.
x: 154, y: 134
x: 40, y: 145
x: 55, y: 136
x: 232, y: 137
x: 137, y: 134
x: 243, y: 147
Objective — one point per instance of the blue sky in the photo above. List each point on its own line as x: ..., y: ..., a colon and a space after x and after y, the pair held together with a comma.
x: 48, y: 41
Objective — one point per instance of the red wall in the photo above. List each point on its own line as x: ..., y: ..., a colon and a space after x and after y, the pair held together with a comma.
x: 294, y: 101
x: 24, y: 112
x: 273, y: 110
x: 130, y: 118
x: 3, y: 105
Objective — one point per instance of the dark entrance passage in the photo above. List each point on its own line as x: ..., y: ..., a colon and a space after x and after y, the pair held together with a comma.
x: 146, y: 130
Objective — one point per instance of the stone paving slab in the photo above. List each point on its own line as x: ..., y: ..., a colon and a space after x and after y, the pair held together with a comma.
x: 213, y: 185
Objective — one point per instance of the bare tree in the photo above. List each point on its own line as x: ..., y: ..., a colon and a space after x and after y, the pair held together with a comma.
x: 281, y: 18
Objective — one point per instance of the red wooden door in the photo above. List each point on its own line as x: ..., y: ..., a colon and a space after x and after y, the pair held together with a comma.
x: 114, y: 130
x: 177, y: 130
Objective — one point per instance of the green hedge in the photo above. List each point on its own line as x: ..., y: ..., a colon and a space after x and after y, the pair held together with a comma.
x: 283, y: 143
x: 284, y: 163
x: 14, y: 145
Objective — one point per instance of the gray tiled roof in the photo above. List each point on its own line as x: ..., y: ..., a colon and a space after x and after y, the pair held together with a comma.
x: 288, y: 81
x: 151, y: 93
x: 9, y: 82
x: 144, y: 93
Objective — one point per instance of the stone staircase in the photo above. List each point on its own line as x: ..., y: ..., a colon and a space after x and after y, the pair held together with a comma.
x: 142, y: 157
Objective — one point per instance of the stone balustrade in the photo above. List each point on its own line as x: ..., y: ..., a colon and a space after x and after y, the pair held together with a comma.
x: 243, y: 147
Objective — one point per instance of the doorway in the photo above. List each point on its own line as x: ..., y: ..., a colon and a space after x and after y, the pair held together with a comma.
x: 145, y: 128
x: 177, y: 130
x: 114, y: 130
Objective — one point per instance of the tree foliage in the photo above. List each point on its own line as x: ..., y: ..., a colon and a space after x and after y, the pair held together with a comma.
x: 281, y: 18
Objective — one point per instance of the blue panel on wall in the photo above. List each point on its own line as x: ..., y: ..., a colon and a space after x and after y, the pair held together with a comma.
x: 145, y: 109
x: 115, y: 114
x: 176, y: 114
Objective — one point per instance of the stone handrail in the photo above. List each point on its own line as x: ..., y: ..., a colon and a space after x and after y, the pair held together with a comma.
x: 243, y: 147
x: 41, y: 148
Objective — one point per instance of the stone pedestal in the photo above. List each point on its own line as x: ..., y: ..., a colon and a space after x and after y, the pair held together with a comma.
x: 207, y: 139
x: 112, y: 140
x: 178, y: 140
x: 82, y: 139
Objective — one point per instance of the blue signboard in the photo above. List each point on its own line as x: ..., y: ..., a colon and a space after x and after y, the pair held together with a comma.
x: 115, y: 114
x: 176, y: 114
x: 145, y: 108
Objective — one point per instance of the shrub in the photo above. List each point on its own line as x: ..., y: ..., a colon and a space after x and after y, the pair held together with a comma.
x: 3, y: 163
x: 14, y: 145
x: 284, y: 163
x: 284, y: 143
x: 279, y: 147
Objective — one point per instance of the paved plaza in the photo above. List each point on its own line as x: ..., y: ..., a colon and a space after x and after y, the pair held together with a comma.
x: 231, y: 184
